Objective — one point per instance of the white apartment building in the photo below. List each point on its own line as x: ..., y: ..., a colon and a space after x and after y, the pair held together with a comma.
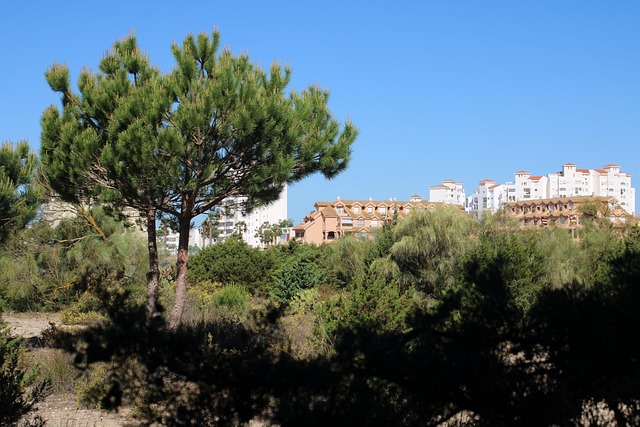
x: 168, y: 240
x: 450, y: 191
x: 232, y: 217
x: 489, y: 197
x: 569, y: 182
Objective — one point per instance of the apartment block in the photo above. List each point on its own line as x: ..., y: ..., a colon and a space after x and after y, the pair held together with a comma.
x: 565, y: 212
x: 488, y: 197
x: 568, y: 182
x: 330, y: 221
x: 450, y: 191
x: 232, y: 217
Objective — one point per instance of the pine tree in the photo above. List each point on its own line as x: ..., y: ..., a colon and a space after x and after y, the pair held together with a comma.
x: 19, y: 192
x: 107, y: 142
x: 242, y: 134
x: 217, y: 126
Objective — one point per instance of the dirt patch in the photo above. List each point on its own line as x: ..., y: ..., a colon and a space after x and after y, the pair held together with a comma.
x: 60, y: 409
x: 30, y: 325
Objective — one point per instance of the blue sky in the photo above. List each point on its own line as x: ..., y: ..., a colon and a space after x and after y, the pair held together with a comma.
x: 442, y: 89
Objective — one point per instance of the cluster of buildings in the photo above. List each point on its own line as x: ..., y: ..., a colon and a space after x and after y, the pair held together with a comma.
x: 570, y: 182
x: 531, y: 200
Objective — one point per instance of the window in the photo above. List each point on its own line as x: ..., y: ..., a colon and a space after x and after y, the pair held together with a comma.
x: 407, y: 210
x: 339, y: 209
x: 374, y: 222
x: 347, y: 222
x: 370, y: 209
x: 356, y: 209
x: 361, y: 223
x: 382, y: 210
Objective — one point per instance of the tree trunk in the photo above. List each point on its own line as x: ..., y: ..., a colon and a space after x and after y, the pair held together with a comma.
x: 153, y: 276
x: 181, y: 275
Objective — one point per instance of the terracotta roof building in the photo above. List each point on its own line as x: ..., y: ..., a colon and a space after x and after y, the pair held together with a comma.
x: 564, y: 212
x: 332, y: 220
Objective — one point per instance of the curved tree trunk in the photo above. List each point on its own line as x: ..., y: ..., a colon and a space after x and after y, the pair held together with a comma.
x: 153, y: 275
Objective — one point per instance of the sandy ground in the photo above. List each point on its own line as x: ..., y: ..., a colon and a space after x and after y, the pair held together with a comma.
x: 60, y: 410
x: 30, y: 324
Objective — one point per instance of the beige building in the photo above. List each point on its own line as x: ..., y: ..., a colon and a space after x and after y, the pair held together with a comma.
x: 564, y: 212
x: 332, y: 220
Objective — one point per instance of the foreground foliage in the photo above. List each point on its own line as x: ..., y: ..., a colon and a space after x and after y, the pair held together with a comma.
x: 18, y: 394
x: 19, y: 192
x: 503, y: 345
x: 521, y: 331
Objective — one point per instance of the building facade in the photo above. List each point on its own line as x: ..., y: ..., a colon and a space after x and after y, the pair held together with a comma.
x: 565, y: 212
x: 450, y: 191
x: 330, y: 221
x: 568, y: 182
x: 489, y: 197
x: 232, y: 217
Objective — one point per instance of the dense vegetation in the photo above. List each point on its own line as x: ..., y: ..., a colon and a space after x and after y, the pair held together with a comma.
x: 436, y: 318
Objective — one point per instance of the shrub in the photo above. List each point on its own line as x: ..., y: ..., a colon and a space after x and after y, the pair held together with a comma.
x: 208, y: 301
x: 297, y: 273
x: 85, y: 311
x: 16, y: 397
x: 56, y: 368
x: 98, y: 389
x: 232, y: 296
x: 376, y: 304
x: 230, y: 262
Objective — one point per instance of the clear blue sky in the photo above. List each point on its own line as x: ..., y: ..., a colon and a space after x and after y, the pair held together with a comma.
x: 466, y: 90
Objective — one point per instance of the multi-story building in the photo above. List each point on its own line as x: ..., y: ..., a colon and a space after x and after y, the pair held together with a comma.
x: 566, y: 212
x: 168, y: 240
x: 233, y: 218
x: 569, y: 182
x: 332, y: 220
x: 450, y: 191
x: 487, y: 198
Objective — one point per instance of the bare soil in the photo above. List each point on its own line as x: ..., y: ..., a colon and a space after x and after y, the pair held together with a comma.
x: 61, y: 409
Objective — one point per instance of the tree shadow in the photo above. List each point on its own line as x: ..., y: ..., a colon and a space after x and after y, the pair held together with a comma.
x: 476, y: 353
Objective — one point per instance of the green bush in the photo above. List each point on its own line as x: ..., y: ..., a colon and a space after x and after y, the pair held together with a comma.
x: 210, y: 301
x: 376, y: 304
x: 18, y: 394
x: 230, y: 262
x: 49, y: 267
x: 297, y: 273
x: 98, y: 389
x: 232, y: 296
